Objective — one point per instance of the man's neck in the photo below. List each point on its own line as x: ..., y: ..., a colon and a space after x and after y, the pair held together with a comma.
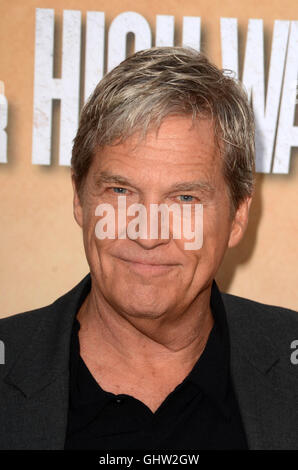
x: 144, y: 342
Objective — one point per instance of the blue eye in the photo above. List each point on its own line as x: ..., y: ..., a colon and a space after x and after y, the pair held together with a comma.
x: 119, y: 190
x: 186, y: 198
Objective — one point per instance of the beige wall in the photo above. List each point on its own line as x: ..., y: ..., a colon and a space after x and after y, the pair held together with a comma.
x: 41, y: 249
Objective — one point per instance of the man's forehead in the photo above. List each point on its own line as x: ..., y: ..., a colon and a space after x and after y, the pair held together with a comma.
x: 181, y: 152
x: 176, y: 135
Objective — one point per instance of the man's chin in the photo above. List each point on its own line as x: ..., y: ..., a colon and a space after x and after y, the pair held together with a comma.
x: 144, y: 310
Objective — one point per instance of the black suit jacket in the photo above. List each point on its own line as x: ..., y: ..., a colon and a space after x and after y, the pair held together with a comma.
x: 34, y: 381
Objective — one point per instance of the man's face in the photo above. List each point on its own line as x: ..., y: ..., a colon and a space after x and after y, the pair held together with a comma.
x: 155, y: 277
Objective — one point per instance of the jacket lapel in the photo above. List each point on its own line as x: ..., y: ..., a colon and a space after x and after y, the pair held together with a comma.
x: 265, y: 384
x: 35, y: 395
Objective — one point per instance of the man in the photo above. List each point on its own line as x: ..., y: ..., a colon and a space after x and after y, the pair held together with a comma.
x: 145, y: 353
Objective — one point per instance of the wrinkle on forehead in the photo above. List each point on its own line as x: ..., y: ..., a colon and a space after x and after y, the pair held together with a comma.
x: 175, y: 133
x: 181, y: 153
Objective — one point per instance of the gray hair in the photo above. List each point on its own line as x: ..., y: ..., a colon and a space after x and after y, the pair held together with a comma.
x: 162, y: 81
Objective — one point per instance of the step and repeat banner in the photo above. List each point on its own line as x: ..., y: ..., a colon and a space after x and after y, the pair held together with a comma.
x: 52, y: 54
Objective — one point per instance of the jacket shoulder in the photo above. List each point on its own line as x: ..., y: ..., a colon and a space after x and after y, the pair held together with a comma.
x: 250, y: 320
x: 33, y: 317
x: 48, y: 322
x: 242, y: 306
x: 16, y: 331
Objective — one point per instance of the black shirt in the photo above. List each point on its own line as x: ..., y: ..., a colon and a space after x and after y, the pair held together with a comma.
x: 200, y: 413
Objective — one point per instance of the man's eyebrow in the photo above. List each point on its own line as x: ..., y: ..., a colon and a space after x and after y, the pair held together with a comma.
x: 106, y: 177
x: 193, y: 186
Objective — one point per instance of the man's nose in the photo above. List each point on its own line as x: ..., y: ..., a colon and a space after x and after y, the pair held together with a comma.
x: 148, y: 244
x: 151, y: 229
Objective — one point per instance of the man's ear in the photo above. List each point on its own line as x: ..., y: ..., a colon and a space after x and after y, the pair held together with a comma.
x: 240, y: 222
x: 77, y: 206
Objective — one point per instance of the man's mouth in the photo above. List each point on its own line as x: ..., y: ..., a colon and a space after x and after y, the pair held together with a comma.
x: 146, y: 267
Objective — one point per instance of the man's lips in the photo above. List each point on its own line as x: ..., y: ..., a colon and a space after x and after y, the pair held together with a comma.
x: 150, y: 267
x: 147, y: 262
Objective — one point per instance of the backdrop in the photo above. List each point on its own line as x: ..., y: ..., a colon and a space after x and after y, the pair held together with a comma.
x: 53, y: 53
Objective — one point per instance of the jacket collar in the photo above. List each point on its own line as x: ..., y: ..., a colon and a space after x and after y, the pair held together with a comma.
x: 46, y: 356
x: 264, y: 380
x: 249, y: 330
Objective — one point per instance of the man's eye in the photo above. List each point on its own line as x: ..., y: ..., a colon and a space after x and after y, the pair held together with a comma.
x: 186, y: 198
x: 119, y: 190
